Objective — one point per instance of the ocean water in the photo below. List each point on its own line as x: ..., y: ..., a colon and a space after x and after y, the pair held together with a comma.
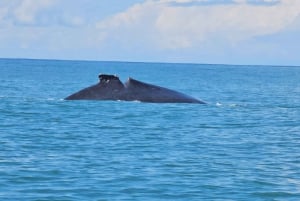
x: 243, y: 145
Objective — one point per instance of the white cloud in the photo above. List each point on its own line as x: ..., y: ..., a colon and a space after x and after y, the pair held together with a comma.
x: 23, y: 12
x: 36, y: 24
x: 155, y: 30
x: 173, y: 27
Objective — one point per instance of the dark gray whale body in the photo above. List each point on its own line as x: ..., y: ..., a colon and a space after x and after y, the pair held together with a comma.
x: 111, y: 88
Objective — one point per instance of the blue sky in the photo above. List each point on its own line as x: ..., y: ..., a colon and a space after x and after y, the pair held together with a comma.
x: 188, y: 31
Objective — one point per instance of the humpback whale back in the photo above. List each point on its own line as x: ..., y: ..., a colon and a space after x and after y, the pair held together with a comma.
x: 108, y: 88
x: 111, y: 88
x: 145, y: 92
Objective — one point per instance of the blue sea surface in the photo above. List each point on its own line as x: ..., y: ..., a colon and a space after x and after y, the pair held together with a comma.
x: 243, y: 145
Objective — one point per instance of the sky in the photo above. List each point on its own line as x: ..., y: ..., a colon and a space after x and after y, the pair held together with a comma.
x: 246, y: 32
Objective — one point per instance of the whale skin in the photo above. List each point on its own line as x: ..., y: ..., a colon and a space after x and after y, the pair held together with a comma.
x: 110, y: 87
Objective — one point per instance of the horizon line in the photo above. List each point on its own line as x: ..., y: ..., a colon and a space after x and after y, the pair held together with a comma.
x: 153, y: 62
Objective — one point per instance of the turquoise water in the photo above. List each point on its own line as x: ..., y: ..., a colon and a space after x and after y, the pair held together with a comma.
x: 243, y: 145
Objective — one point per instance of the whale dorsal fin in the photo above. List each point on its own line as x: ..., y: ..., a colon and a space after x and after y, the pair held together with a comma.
x: 105, y: 78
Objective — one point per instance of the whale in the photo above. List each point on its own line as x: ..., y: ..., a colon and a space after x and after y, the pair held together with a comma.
x: 110, y: 87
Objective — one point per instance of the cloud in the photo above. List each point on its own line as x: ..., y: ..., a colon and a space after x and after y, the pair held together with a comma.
x: 41, y: 25
x: 27, y: 10
x: 166, y: 26
x: 24, y: 12
x: 223, y: 31
x: 38, y: 13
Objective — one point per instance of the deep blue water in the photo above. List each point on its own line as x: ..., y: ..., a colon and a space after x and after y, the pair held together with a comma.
x: 243, y: 145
